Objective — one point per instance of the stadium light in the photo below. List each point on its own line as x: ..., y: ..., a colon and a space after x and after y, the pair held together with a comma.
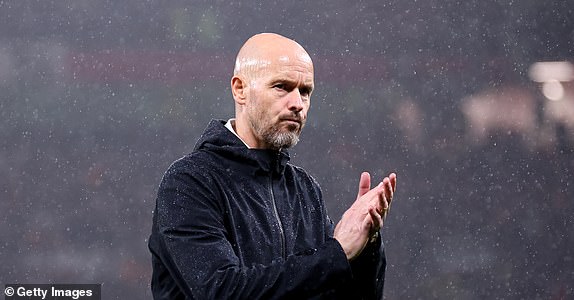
x: 551, y: 75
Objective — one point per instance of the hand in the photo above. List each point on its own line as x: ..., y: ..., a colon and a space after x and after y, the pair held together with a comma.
x: 390, y: 184
x: 365, y: 217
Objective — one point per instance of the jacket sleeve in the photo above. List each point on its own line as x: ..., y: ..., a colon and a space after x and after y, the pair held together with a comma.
x: 195, y: 248
x: 368, y: 268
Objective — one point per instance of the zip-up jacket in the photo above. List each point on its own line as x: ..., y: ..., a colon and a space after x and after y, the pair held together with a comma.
x: 238, y: 223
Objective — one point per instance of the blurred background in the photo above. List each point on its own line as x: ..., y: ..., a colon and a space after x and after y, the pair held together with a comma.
x: 470, y: 102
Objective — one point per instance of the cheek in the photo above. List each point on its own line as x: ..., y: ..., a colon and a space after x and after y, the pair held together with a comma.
x: 306, y: 108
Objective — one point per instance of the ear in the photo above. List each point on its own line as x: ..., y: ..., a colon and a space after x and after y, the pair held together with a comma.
x: 239, y: 89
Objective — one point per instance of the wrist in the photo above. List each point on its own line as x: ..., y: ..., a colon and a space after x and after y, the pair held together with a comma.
x: 374, y: 237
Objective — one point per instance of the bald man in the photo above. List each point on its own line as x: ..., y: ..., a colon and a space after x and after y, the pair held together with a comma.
x: 235, y: 220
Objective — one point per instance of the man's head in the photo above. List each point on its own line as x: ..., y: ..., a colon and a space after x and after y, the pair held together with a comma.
x: 271, y: 85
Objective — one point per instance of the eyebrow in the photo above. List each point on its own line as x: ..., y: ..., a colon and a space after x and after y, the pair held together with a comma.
x: 281, y: 79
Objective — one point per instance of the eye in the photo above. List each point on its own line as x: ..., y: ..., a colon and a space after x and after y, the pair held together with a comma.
x: 279, y: 86
x: 305, y: 92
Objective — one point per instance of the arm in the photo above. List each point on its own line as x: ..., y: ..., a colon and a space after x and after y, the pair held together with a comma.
x: 365, y: 249
x: 196, y: 249
x: 369, y: 270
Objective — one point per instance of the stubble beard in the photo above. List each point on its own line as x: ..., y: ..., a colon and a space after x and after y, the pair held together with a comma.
x: 272, y: 134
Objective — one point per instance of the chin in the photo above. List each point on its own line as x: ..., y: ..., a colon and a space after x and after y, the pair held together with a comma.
x: 284, y: 140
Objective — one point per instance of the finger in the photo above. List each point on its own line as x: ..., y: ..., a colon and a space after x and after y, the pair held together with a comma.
x: 364, y: 184
x: 376, y: 218
x: 367, y: 223
x: 388, y: 193
x: 375, y: 197
x: 379, y: 193
x: 393, y: 178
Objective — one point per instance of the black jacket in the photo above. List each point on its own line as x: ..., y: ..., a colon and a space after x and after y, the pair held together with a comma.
x: 238, y: 223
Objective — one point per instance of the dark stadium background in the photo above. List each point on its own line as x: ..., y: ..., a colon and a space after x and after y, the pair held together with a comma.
x: 97, y: 98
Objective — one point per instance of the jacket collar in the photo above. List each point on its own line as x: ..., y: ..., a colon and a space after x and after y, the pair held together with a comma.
x: 218, y: 139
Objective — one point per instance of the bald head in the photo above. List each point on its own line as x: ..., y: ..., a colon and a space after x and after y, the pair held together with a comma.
x: 271, y: 85
x: 264, y: 49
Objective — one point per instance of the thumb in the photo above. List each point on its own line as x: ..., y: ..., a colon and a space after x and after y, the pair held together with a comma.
x: 364, y: 184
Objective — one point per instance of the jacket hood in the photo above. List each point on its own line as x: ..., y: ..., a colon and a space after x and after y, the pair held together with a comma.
x: 219, y: 140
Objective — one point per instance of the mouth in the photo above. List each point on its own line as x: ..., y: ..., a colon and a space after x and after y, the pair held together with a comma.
x: 292, y: 124
x: 297, y: 121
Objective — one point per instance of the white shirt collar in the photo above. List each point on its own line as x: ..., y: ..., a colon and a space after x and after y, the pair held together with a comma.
x: 229, y: 125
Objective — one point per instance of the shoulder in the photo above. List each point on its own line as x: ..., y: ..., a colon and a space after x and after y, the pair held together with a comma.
x: 190, y: 182
x: 194, y: 163
x: 197, y: 167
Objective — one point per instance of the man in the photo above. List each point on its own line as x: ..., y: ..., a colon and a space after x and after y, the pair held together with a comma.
x: 235, y: 220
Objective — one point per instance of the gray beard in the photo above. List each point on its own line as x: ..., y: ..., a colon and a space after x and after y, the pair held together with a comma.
x: 279, y: 140
x: 274, y: 137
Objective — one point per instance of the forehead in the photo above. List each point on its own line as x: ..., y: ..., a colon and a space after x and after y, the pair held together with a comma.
x: 292, y: 67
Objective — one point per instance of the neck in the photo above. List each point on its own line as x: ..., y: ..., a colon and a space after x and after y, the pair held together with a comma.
x: 246, y: 134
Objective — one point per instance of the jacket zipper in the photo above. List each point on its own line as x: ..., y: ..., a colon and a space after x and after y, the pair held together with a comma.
x: 281, y: 231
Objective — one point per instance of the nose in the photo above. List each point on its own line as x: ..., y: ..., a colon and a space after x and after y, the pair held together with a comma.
x: 295, y: 101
